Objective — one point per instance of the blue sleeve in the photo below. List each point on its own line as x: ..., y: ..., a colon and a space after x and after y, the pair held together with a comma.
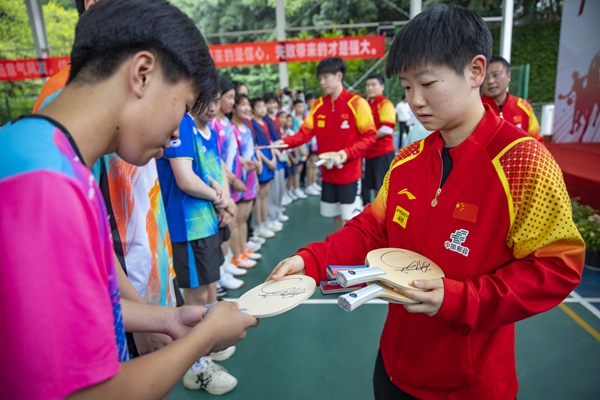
x: 183, y: 147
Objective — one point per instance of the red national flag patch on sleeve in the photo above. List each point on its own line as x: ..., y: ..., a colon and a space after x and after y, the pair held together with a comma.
x: 465, y: 212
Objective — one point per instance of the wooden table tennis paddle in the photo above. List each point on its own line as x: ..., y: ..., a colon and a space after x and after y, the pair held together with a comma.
x: 387, y: 268
x: 276, y: 297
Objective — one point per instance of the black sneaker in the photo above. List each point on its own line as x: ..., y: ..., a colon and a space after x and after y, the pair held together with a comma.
x: 221, y: 291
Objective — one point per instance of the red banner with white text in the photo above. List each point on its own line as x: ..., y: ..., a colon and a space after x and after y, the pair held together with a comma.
x: 31, y: 68
x: 231, y: 55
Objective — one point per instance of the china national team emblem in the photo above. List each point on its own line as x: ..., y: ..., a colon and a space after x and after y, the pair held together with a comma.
x: 457, y: 239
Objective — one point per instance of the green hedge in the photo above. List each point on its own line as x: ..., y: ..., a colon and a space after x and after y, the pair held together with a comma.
x: 535, y: 44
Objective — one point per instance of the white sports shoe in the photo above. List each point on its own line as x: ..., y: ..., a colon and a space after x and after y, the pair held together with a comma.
x: 264, y: 232
x: 311, y: 191
x: 223, y: 355
x: 257, y: 239
x: 252, y: 255
x: 229, y: 282
x: 254, y: 246
x: 274, y: 226
x: 316, y: 186
x: 292, y: 195
x: 299, y: 193
x: 235, y: 271
x: 286, y: 200
x: 212, y: 377
x: 283, y: 218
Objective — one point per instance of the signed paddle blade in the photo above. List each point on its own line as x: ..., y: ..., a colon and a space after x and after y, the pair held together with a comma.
x: 276, y: 297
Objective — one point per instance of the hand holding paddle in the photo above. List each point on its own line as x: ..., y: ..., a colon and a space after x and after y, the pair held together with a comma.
x: 430, y: 296
x: 332, y: 158
x: 290, y: 266
x: 228, y: 324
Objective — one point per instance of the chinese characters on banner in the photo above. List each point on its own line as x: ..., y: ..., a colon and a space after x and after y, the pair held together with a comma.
x: 239, y: 54
x: 232, y: 55
x: 16, y: 70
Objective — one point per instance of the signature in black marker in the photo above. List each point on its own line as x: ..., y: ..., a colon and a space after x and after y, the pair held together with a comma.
x: 419, y: 265
x: 283, y: 293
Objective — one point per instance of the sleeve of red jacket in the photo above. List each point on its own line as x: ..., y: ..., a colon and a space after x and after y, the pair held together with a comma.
x: 366, y: 129
x: 548, y: 253
x: 348, y: 246
x: 306, y: 131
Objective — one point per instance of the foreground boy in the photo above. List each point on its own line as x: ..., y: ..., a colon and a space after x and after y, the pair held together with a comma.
x: 127, y: 93
x: 479, y: 197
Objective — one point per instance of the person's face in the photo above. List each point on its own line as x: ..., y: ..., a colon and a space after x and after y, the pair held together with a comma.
x: 227, y: 101
x: 299, y: 108
x: 243, y: 90
x: 272, y: 107
x: 260, y: 109
x: 437, y: 96
x: 243, y: 109
x: 282, y: 119
x: 162, y: 105
x: 497, y: 80
x: 374, y: 88
x: 330, y: 83
x: 310, y: 102
x: 211, y: 111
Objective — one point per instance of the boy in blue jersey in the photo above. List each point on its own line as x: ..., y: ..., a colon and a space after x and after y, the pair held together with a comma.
x: 63, y: 329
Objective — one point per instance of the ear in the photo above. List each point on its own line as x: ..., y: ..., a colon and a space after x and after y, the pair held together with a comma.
x: 143, y: 66
x: 88, y: 3
x: 509, y: 76
x: 476, y: 70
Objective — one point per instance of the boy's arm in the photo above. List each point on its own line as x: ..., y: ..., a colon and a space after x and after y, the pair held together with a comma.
x: 152, y: 376
x: 387, y: 118
x: 547, y: 260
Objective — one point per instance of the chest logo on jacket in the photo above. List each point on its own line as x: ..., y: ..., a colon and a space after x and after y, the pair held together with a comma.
x: 407, y: 193
x: 401, y: 216
x: 345, y: 125
x: 457, y: 239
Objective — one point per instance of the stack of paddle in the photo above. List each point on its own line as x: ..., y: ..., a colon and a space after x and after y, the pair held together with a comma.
x: 386, y: 269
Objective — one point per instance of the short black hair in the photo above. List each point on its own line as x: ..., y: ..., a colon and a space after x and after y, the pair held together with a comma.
x: 239, y: 97
x: 331, y: 65
x: 80, y: 5
x: 225, y: 86
x: 308, y: 96
x: 113, y: 30
x: 379, y: 77
x: 442, y: 35
x: 497, y: 58
x: 298, y: 101
x: 254, y: 101
x: 282, y: 112
x: 270, y: 96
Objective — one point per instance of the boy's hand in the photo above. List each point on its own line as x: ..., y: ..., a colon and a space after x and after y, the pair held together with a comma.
x: 183, y: 319
x: 226, y: 219
x: 342, y: 157
x: 221, y: 201
x: 290, y: 266
x: 430, y: 301
x: 228, y: 324
x: 248, y: 165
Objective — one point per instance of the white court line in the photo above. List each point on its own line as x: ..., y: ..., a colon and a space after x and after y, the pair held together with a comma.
x: 575, y: 298
x: 586, y: 303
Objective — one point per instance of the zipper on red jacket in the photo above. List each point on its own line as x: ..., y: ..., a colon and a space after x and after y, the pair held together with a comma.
x: 434, y: 202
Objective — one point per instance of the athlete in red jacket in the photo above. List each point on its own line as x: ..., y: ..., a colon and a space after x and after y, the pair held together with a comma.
x: 342, y: 122
x: 514, y: 109
x: 479, y: 197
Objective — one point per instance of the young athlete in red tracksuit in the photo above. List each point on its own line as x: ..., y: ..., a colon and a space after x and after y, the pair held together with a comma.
x: 479, y: 197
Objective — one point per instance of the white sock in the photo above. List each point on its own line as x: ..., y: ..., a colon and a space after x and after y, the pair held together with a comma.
x: 198, y: 365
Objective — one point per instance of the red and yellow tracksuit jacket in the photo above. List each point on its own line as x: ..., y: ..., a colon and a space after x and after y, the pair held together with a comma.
x: 345, y: 124
x: 501, y: 230
x: 384, y: 116
x: 518, y: 112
